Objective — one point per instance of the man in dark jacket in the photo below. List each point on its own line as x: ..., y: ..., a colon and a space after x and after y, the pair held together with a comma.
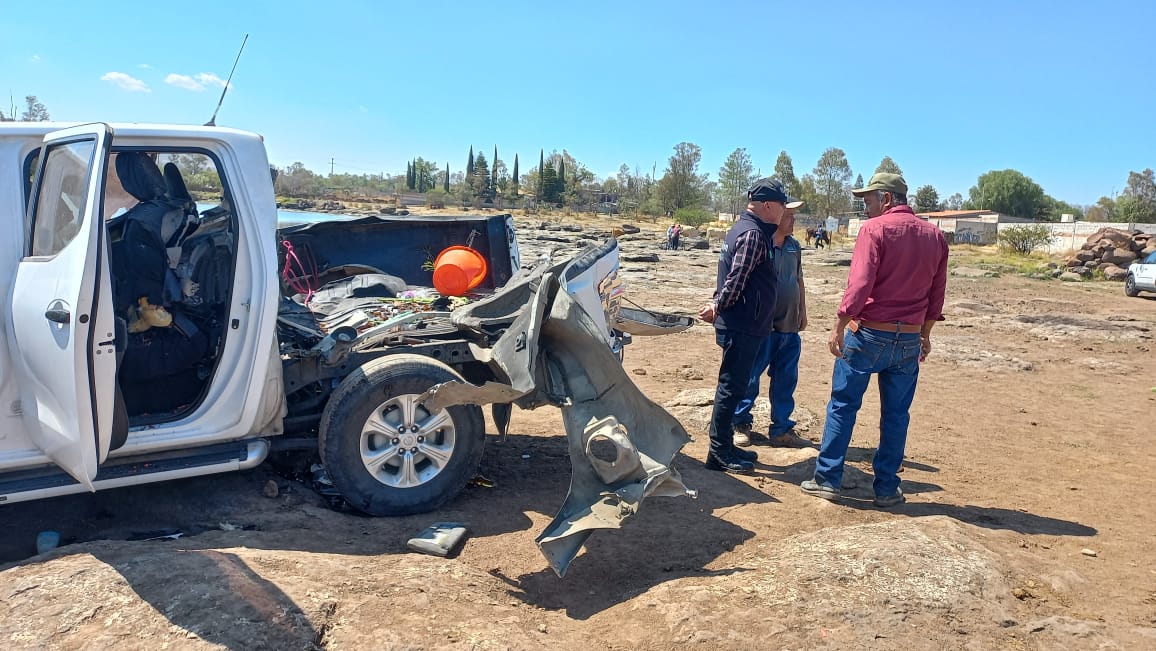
x: 743, y: 311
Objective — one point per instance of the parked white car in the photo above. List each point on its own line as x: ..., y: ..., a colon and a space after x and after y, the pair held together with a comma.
x: 1141, y: 276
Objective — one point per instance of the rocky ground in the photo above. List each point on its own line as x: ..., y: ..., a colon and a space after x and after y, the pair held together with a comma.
x: 1028, y: 526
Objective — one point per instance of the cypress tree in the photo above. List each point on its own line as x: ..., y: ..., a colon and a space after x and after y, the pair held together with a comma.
x: 446, y: 187
x: 470, y: 164
x: 515, y: 175
x: 541, y: 172
x: 494, y: 172
x: 561, y: 176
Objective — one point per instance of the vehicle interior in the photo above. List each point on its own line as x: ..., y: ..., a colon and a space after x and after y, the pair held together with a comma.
x: 172, y: 267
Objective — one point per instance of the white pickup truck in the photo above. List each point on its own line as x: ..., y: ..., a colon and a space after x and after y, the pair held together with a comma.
x: 147, y: 337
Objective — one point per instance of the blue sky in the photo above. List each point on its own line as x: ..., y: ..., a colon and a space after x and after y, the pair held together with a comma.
x: 1062, y: 91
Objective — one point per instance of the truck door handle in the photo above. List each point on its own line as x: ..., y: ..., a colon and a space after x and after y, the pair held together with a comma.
x: 58, y: 316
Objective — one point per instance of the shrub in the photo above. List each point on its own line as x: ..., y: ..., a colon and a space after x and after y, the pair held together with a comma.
x: 693, y: 216
x: 436, y: 198
x: 1022, y: 240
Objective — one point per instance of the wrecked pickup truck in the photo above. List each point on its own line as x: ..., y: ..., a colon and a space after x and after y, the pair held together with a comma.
x: 149, y: 337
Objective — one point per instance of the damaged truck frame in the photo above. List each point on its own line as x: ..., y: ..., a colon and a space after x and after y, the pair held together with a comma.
x: 151, y: 338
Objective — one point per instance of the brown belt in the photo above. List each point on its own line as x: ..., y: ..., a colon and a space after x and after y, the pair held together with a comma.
x: 885, y: 326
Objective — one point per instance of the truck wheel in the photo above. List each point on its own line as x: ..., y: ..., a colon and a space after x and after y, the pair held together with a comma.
x: 385, y: 452
x: 1130, y: 286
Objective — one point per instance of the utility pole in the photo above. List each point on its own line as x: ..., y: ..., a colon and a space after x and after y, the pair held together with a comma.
x: 330, y: 167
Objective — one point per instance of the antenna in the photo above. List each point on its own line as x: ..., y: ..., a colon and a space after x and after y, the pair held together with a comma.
x: 213, y: 120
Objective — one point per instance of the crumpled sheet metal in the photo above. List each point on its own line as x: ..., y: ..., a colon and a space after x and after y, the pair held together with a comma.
x: 554, y: 353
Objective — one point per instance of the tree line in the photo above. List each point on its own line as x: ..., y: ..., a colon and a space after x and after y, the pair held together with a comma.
x: 683, y: 190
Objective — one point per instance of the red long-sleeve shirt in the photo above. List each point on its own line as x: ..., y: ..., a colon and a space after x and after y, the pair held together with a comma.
x: 898, y: 270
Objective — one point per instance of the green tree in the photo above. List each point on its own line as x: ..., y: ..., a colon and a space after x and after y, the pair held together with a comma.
x: 409, y: 176
x: 1057, y: 209
x: 926, y: 199
x: 1024, y: 238
x: 681, y: 185
x: 887, y: 165
x: 1138, y: 201
x: 480, y: 179
x: 1103, y: 210
x: 737, y: 175
x: 494, y: 171
x: 954, y: 202
x: 470, y: 163
x: 857, y: 204
x: 35, y: 111
x: 785, y: 172
x: 515, y: 177
x: 541, y: 173
x: 832, y: 178
x: 446, y: 185
x: 693, y: 216
x: 1008, y: 192
x: 424, y: 175
x: 548, y: 180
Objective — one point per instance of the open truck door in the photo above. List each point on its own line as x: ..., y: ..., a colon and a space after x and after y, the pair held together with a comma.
x: 62, y: 322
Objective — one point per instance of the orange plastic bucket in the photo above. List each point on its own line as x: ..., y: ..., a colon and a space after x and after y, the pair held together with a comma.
x: 457, y: 270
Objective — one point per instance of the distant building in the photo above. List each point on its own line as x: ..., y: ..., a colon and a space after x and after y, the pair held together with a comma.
x: 962, y: 226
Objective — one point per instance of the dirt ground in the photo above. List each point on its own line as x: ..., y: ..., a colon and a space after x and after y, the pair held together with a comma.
x: 1029, y: 523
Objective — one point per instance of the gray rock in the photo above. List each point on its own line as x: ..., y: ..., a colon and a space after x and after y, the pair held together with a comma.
x: 1112, y: 272
x: 640, y: 257
x: 1070, y: 276
x: 971, y: 272
x: 1120, y: 257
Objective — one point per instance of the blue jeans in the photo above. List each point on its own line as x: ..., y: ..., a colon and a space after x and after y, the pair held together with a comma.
x: 779, y: 357
x: 895, y: 358
x: 734, y: 373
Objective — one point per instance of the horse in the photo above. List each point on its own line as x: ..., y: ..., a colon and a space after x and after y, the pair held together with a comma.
x: 812, y: 231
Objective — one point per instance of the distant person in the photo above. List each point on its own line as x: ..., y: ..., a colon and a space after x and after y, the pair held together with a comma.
x: 675, y: 235
x: 779, y: 355
x: 670, y: 236
x: 894, y: 297
x: 742, y: 311
x: 820, y: 236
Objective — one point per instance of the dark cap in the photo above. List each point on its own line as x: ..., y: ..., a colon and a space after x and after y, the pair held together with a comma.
x: 769, y: 189
x: 884, y: 181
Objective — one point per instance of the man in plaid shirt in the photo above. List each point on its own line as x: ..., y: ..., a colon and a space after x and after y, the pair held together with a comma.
x: 742, y: 311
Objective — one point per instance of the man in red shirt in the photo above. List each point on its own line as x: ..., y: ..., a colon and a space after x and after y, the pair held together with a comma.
x: 894, y: 296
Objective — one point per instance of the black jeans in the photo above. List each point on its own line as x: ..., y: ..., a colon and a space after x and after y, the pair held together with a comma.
x: 734, y: 374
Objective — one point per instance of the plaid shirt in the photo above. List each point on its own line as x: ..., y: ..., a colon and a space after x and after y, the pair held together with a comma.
x: 750, y: 251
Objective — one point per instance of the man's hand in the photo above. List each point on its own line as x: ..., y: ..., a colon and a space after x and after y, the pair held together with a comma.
x: 924, y: 347
x: 835, y: 342
x: 708, y: 313
x: 802, y: 320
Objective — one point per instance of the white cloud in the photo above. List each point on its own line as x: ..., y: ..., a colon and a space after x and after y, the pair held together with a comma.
x: 143, y: 65
x: 209, y: 79
x: 35, y: 58
x: 198, y: 82
x: 183, y: 81
x: 126, y: 82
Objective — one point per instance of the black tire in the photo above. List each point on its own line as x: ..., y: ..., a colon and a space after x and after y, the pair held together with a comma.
x: 348, y: 442
x: 1130, y: 286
